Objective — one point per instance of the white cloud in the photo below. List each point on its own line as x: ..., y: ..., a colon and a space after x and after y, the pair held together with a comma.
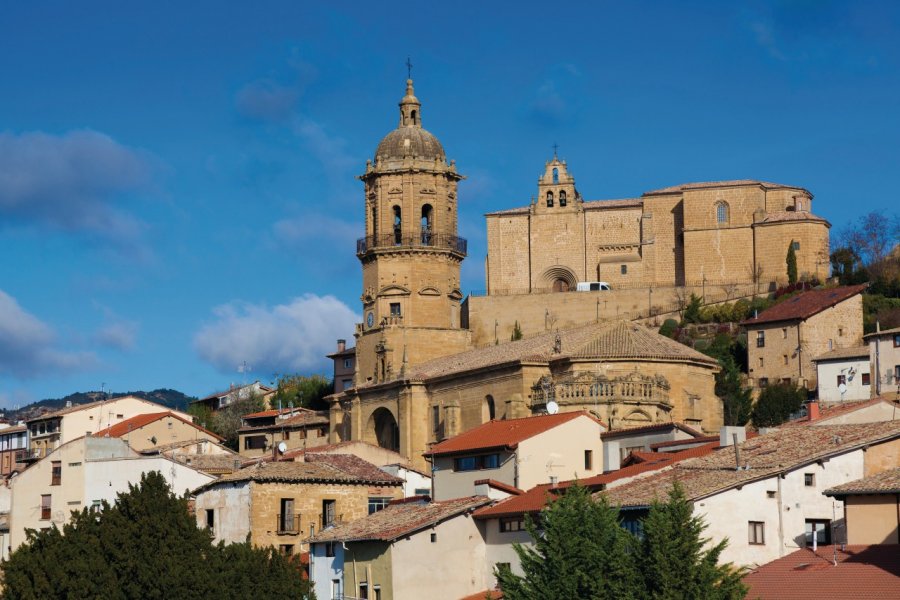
x: 286, y: 338
x: 28, y: 346
x: 119, y: 335
x: 74, y: 182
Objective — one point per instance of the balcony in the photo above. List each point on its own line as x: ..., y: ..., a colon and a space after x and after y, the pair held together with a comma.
x: 423, y: 239
x: 288, y: 524
x: 330, y: 520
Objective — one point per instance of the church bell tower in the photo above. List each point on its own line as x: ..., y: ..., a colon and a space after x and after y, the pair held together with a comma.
x: 411, y: 253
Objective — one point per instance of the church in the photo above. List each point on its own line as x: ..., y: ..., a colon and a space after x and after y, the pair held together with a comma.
x: 422, y: 376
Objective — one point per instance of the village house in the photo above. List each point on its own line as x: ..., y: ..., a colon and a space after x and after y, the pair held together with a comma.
x: 13, y: 448
x: 344, y: 372
x: 873, y: 410
x: 53, y: 429
x: 262, y: 433
x: 871, y: 508
x: 521, y: 453
x: 281, y: 504
x: 766, y: 496
x: 83, y: 473
x: 884, y: 355
x: 219, y: 400
x: 619, y: 443
x: 843, y: 375
x: 783, y: 340
x: 156, y: 429
x: 410, y: 549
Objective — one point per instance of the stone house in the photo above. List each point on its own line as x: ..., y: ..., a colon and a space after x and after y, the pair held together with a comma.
x: 521, y: 453
x: 784, y: 339
x: 53, y: 429
x: 83, y: 473
x: 847, y: 367
x: 281, y: 504
x: 409, y: 549
x: 871, y: 508
x: 766, y: 494
x: 884, y: 355
x: 13, y: 448
x: 219, y: 400
x: 150, y: 430
x: 261, y: 433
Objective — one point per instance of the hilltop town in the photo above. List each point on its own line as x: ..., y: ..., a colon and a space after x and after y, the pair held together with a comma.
x: 707, y: 336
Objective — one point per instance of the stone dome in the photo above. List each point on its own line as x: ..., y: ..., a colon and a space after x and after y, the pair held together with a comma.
x: 411, y: 141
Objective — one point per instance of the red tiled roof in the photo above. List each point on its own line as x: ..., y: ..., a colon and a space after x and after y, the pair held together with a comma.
x: 804, y: 305
x: 861, y: 572
x: 887, y: 482
x: 503, y: 434
x: 399, y: 520
x: 827, y: 412
x: 499, y: 485
x: 490, y: 594
x: 301, y: 418
x: 651, y: 428
x: 128, y: 425
x: 699, y: 440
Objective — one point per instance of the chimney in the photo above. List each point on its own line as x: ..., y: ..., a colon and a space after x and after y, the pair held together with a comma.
x: 727, y: 435
x: 342, y: 345
x: 554, y: 480
x: 737, y: 451
x: 812, y: 410
x: 612, y: 458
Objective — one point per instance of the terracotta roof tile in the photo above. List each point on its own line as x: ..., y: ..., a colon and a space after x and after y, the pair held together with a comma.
x: 887, y: 482
x: 833, y: 410
x: 804, y: 305
x: 128, y: 425
x: 651, y: 428
x: 766, y: 455
x: 861, y: 572
x: 727, y: 183
x: 499, y: 485
x: 399, y: 520
x: 785, y: 216
x: 503, y: 434
x: 883, y: 332
x: 489, y: 594
x: 302, y: 419
x: 844, y: 353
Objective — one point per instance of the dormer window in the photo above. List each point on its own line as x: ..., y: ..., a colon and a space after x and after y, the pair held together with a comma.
x: 562, y: 198
x: 549, y: 199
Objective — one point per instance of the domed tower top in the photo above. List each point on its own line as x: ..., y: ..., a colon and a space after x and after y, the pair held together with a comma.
x: 410, y: 140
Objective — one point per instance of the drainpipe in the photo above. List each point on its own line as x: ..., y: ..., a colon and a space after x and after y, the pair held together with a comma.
x: 877, y: 359
x: 780, y: 518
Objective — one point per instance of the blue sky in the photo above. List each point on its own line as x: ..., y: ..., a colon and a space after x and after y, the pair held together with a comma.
x: 177, y: 191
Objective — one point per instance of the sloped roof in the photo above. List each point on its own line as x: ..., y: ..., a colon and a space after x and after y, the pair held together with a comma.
x: 506, y: 433
x: 861, y: 572
x: 301, y: 419
x: 263, y: 388
x: 399, y: 520
x: 619, y: 203
x: 78, y: 407
x: 609, y: 340
x: 652, y: 428
x: 317, y: 468
x: 883, y: 332
x: 128, y: 425
x: 837, y: 409
x: 766, y: 455
x: 844, y: 353
x: 786, y: 216
x: 887, y: 482
x: 804, y: 305
x: 727, y: 183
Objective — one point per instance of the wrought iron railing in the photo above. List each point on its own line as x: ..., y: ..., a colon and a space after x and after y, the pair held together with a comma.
x: 422, y: 239
x: 288, y: 523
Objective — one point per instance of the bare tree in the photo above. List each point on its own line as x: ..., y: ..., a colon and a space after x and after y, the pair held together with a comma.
x: 872, y: 237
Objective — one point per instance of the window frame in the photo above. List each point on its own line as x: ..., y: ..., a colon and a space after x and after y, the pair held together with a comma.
x: 512, y: 524
x: 826, y: 530
x: 809, y: 480
x: 378, y: 503
x: 56, y: 472
x: 866, y: 378
x: 756, y: 533
x: 588, y: 460
x: 761, y: 338
x: 46, y: 507
x: 723, y: 213
x: 479, y: 462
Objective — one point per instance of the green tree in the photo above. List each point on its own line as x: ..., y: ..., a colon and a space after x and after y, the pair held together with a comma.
x: 145, y: 546
x: 692, y: 309
x: 580, y: 551
x: 307, y: 391
x: 516, y: 332
x: 776, y: 403
x: 668, y: 328
x: 737, y: 400
x: 674, y: 560
x: 791, y: 261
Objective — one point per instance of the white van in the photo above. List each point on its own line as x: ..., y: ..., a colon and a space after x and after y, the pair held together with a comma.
x: 592, y: 286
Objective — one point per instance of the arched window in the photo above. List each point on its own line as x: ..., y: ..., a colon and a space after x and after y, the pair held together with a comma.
x: 412, y: 116
x: 374, y: 219
x: 398, y: 222
x: 799, y: 204
x: 721, y: 213
x: 549, y: 199
x: 555, y: 175
x: 562, y: 198
x: 426, y: 224
x: 488, y: 412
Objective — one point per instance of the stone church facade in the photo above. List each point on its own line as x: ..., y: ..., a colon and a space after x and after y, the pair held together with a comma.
x: 723, y: 232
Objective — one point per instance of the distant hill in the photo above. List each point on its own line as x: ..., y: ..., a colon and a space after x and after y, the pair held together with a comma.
x: 166, y: 397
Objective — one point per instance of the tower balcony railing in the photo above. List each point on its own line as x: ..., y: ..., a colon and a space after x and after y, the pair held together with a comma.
x: 421, y: 239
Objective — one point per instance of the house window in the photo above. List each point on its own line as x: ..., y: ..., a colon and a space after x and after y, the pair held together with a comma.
x: 562, y: 198
x: 721, y: 213
x: 784, y: 333
x: 784, y: 358
x: 377, y: 590
x: 348, y: 363
x: 897, y: 373
x: 96, y: 506
x: 866, y: 379
x: 336, y: 589
x: 756, y: 533
x: 286, y: 516
x: 840, y: 332
x: 346, y: 383
x: 820, y: 529
x: 436, y: 421
x: 897, y: 340
x: 796, y: 245
x: 762, y: 362
x: 623, y: 269
x: 45, y: 507
x: 328, y: 512
x: 395, y: 309
x: 210, y: 518
x: 770, y: 494
x: 433, y: 538
x: 510, y: 524
x: 376, y: 504
x: 763, y: 382
x: 841, y: 380
x: 588, y: 460
x: 286, y: 549
x: 55, y: 472
x: 809, y: 479
x: 329, y: 549
x: 549, y: 199
x: 475, y: 463
x: 364, y: 591
x: 760, y: 339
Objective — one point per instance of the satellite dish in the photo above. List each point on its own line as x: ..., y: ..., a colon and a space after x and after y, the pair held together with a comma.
x: 282, y: 447
x: 552, y: 408
x: 842, y: 388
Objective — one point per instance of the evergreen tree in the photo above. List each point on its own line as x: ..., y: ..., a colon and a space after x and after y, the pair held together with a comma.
x: 668, y: 328
x: 791, y: 261
x: 516, y: 332
x: 145, y: 546
x: 673, y: 559
x: 580, y: 551
x: 692, y: 310
x: 776, y: 403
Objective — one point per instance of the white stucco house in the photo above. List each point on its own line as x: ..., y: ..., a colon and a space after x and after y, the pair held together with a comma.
x: 844, y: 375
